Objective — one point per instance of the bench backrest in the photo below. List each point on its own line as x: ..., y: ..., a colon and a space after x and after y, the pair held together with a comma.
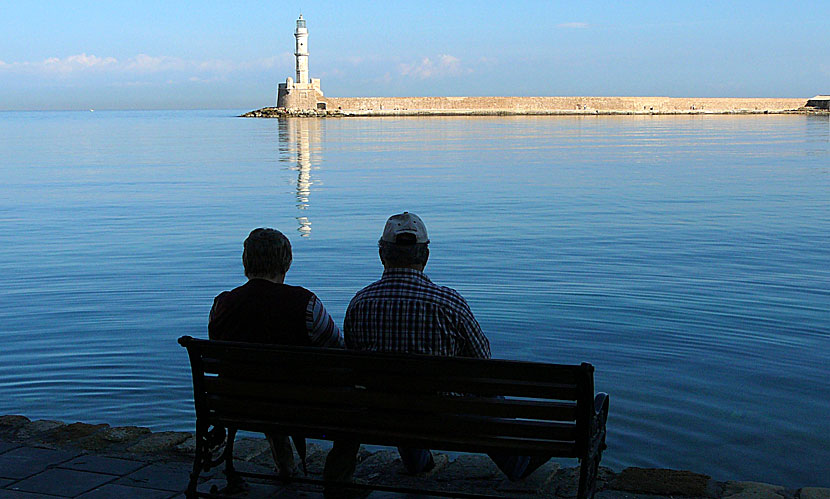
x: 465, y: 404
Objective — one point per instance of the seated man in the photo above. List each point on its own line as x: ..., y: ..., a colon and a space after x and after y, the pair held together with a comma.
x: 405, y: 312
x: 265, y: 310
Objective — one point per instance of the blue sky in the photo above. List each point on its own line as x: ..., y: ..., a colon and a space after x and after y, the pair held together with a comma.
x: 210, y: 54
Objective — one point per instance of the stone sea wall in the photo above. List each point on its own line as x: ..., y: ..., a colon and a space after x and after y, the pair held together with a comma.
x: 558, y: 105
x: 163, y: 461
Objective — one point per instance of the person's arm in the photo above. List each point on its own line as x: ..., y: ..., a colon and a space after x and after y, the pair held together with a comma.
x: 348, y: 329
x: 214, y: 331
x: 322, y: 331
x: 477, y: 345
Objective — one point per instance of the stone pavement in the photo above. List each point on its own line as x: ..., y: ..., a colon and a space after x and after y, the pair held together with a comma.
x: 53, y: 459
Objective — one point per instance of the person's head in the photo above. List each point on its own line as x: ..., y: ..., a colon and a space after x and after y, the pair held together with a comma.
x: 404, y: 242
x: 267, y: 254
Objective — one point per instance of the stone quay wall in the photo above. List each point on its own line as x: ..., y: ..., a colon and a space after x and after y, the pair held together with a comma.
x: 57, y: 458
x: 371, y: 106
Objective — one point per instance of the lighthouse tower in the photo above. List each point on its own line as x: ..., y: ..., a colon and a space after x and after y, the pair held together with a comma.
x: 301, y: 51
x: 303, y: 93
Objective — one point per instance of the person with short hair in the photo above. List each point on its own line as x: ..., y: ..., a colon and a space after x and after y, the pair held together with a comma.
x: 405, y: 312
x: 266, y: 310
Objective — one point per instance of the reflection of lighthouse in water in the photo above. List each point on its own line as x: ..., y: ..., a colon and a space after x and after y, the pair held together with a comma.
x: 300, y: 133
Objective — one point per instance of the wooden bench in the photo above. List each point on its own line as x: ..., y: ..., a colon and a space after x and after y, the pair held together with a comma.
x: 521, y: 408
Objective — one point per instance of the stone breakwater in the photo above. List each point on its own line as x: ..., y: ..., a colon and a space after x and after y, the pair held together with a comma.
x: 82, y: 460
x: 501, y: 106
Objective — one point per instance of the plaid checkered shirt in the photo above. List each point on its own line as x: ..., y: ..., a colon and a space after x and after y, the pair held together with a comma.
x: 405, y: 312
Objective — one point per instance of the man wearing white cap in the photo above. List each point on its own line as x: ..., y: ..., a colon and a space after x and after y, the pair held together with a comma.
x: 405, y: 312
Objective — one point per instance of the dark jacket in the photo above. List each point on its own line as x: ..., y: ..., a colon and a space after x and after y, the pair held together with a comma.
x: 261, y: 311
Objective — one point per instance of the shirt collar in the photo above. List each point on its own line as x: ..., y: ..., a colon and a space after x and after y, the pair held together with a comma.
x: 397, y: 273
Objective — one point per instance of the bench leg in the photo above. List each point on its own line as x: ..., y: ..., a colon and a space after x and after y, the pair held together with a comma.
x: 588, y: 477
x: 208, y: 441
x: 202, y: 451
x: 190, y: 492
x: 589, y: 465
x: 227, y: 456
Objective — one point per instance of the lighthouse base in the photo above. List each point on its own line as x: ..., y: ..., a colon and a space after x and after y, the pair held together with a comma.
x: 297, y: 96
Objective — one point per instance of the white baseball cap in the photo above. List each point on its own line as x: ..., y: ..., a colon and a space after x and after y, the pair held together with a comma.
x: 405, y: 223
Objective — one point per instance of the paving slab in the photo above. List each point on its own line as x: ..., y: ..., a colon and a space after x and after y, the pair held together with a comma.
x: 111, y: 490
x: 101, y: 464
x: 392, y: 495
x: 539, y: 482
x: 475, y: 473
x: 16, y: 494
x: 304, y: 494
x: 7, y: 446
x: 384, y: 467
x: 61, y: 482
x: 619, y: 494
x: 250, y: 490
x: 172, y: 477
x: 5, y: 481
x: 26, y: 461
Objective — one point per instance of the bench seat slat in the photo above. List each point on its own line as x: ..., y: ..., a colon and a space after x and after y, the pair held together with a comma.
x: 414, y: 382
x: 423, y: 423
x: 377, y: 436
x: 431, y: 402
x: 480, y: 386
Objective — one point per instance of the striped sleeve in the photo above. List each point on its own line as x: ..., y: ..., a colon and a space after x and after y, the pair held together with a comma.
x: 476, y: 344
x: 322, y: 331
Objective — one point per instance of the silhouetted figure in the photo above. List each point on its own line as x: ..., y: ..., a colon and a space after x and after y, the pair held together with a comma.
x: 405, y: 312
x: 265, y: 310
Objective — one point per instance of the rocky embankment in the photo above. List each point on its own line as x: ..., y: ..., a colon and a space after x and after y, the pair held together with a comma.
x: 279, y: 112
x: 162, y: 461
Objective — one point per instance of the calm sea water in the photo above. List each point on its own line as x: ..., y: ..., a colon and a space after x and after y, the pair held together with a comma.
x: 687, y: 258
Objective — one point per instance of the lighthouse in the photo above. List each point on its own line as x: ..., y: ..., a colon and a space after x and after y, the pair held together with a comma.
x: 301, y: 51
x: 303, y: 93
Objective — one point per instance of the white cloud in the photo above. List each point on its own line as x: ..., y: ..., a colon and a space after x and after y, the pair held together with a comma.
x: 62, y: 66
x: 210, y: 79
x: 422, y: 70
x: 572, y: 25
x: 133, y: 84
x: 444, y: 65
x: 449, y: 62
x: 141, y: 64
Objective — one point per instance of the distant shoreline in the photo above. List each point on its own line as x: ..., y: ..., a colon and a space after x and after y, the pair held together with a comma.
x: 539, y: 106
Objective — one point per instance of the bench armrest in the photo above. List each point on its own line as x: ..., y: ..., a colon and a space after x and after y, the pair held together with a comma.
x: 601, y: 403
x: 598, y: 430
